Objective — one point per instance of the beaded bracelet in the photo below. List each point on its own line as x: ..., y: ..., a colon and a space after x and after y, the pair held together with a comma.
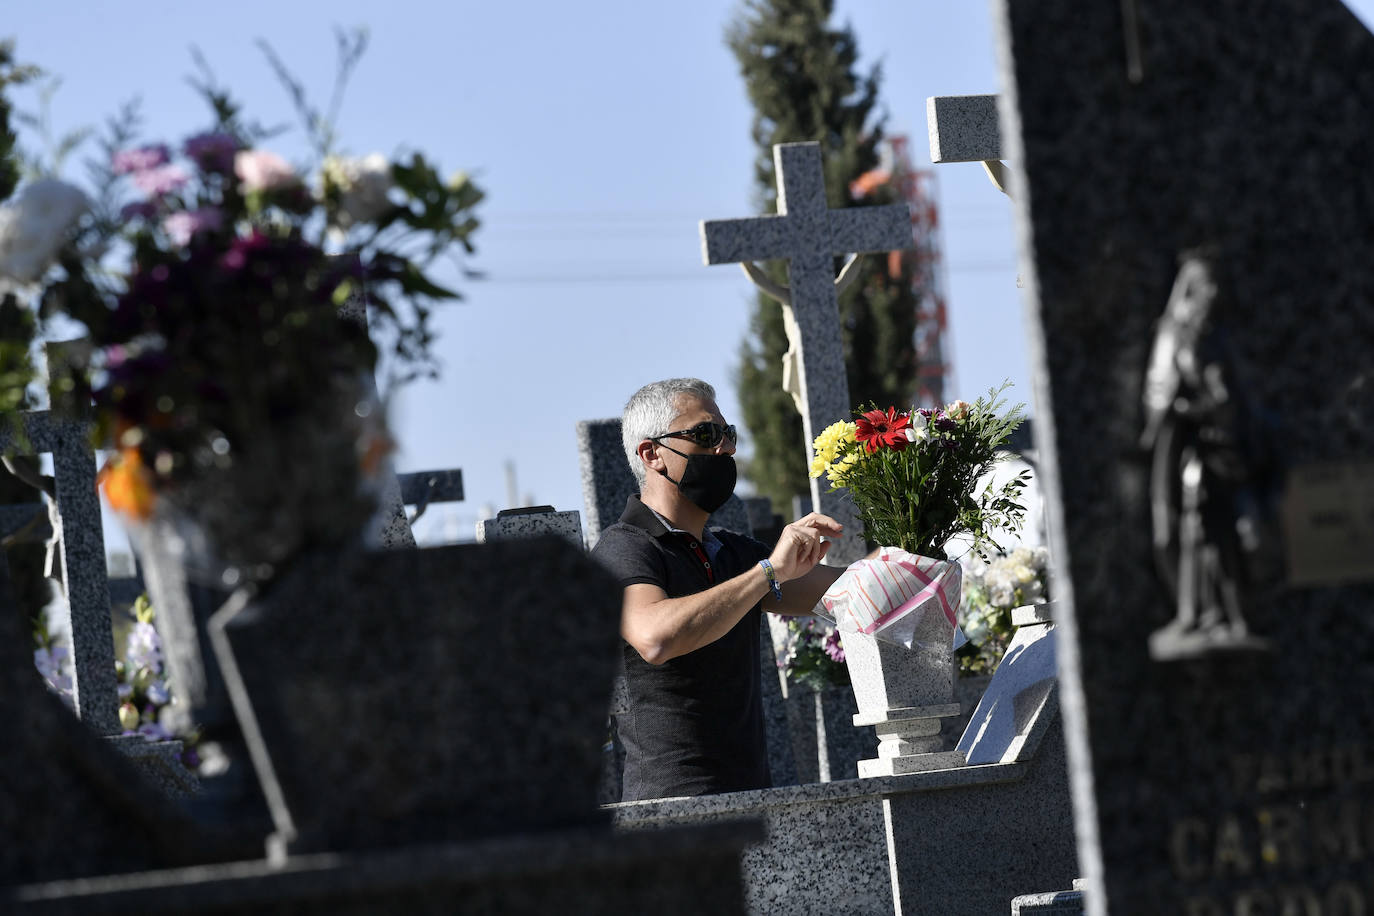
x: 772, y: 579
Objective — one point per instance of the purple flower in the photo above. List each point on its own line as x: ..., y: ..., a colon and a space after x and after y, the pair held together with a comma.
x: 183, y: 224
x: 139, y: 159
x: 152, y: 731
x: 213, y: 151
x: 945, y: 424
x: 143, y: 209
x: 244, y: 247
x: 161, y: 180
x: 833, y: 646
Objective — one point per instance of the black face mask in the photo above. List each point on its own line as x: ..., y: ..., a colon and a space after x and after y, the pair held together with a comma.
x: 707, y: 481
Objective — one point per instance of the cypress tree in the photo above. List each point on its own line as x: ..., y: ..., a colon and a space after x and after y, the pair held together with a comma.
x: 800, y: 76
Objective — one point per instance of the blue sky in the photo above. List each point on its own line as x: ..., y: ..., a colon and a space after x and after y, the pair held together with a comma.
x: 602, y: 132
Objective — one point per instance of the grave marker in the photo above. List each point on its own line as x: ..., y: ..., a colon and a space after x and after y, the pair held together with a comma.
x: 82, y: 542
x: 809, y: 236
x: 1210, y: 776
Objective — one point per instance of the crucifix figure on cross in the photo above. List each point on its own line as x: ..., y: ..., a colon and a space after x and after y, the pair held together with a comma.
x: 810, y: 235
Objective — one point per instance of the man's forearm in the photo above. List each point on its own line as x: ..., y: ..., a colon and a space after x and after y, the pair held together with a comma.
x: 664, y: 629
x: 800, y: 596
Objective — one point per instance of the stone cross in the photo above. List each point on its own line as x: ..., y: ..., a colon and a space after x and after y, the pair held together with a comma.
x: 82, y: 543
x: 809, y: 236
x: 964, y: 128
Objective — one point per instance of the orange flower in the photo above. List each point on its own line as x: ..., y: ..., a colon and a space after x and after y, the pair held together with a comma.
x: 378, y: 446
x: 128, y: 484
x: 877, y: 428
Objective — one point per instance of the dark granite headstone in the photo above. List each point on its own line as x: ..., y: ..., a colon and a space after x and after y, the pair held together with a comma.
x: 71, y: 805
x: 1198, y: 429
x: 473, y: 707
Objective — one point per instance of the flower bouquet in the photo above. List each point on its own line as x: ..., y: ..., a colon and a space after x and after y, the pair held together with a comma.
x: 209, y: 279
x: 812, y: 655
x: 912, y: 476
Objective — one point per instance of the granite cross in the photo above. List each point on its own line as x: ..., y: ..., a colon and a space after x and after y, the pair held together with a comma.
x: 82, y: 544
x: 810, y: 235
x: 964, y: 128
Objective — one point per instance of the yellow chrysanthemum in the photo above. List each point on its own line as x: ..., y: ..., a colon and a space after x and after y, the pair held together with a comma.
x: 829, y: 442
x: 839, y: 471
x: 818, y: 466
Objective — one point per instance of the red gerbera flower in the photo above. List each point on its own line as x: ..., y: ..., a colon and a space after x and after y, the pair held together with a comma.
x: 877, y: 428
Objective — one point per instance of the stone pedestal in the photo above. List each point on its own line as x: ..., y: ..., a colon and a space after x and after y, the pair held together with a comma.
x: 904, y: 694
x: 909, y: 740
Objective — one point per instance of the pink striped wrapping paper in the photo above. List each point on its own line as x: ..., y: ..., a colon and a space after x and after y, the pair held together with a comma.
x: 893, y: 597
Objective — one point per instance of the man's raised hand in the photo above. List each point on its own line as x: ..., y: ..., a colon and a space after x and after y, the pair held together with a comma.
x: 800, y: 546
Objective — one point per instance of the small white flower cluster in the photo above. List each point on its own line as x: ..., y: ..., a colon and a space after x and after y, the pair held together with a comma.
x: 364, y: 185
x: 33, y: 227
x: 993, y: 589
x: 1016, y: 578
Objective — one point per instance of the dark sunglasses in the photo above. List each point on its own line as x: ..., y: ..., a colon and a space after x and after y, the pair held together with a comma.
x: 706, y: 434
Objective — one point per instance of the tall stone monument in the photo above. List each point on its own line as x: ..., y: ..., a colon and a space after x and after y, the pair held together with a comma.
x: 810, y: 236
x: 1195, y: 205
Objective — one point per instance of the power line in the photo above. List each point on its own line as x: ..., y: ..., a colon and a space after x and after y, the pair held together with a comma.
x: 496, y: 278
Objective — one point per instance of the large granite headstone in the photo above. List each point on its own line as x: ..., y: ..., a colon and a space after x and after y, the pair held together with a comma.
x: 470, y: 709
x: 432, y: 759
x: 1195, y: 234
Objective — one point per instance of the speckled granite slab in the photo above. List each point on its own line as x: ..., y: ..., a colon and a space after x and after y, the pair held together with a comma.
x: 1242, y: 779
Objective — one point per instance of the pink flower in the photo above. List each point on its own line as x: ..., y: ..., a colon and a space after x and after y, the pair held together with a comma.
x: 161, y: 180
x: 833, y: 646
x: 959, y: 410
x: 183, y: 224
x: 140, y: 159
x: 260, y: 170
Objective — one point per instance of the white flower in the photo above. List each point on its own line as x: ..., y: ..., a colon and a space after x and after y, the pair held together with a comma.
x: 1001, y: 595
x: 157, y: 693
x: 34, y: 225
x: 262, y: 170
x: 144, y: 648
x: 365, y: 186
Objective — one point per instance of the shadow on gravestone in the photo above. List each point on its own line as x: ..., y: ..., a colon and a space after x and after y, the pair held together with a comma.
x: 1234, y: 781
x: 70, y: 805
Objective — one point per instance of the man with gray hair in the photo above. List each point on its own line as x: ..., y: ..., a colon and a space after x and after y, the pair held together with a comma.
x: 693, y: 600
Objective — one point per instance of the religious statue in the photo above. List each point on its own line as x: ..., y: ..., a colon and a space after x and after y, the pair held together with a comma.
x: 1209, y: 478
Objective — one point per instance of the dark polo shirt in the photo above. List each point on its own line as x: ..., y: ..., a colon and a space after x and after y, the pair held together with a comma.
x: 695, y: 723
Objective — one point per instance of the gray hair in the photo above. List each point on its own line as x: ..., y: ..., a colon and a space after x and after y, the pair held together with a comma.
x: 649, y: 412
